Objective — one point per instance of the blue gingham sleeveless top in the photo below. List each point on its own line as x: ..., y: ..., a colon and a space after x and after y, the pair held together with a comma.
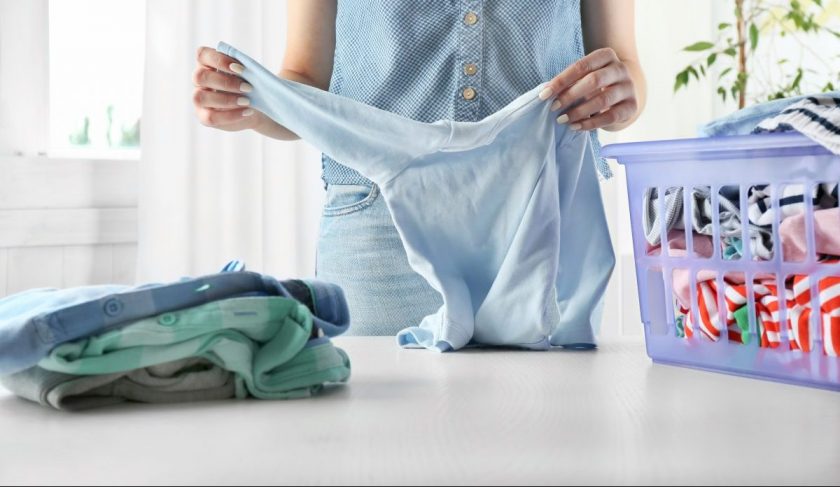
x: 449, y: 59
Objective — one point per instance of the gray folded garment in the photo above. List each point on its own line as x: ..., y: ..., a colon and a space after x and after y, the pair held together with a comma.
x: 701, y: 217
x: 188, y: 380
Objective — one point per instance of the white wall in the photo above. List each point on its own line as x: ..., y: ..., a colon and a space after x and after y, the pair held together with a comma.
x: 66, y: 222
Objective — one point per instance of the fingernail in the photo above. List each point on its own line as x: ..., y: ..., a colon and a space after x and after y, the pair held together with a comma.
x: 574, y: 126
x: 246, y: 88
x: 563, y: 118
x: 248, y: 113
x: 237, y: 68
x: 243, y: 102
x: 556, y: 105
x: 546, y: 93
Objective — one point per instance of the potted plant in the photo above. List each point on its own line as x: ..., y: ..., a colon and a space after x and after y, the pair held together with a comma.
x: 807, y: 23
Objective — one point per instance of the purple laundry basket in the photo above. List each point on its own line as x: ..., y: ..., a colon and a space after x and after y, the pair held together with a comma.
x: 729, y: 168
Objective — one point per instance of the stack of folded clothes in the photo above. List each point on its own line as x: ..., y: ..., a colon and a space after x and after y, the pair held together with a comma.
x: 235, y: 334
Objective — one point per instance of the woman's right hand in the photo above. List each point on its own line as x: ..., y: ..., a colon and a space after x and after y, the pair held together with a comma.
x: 220, y: 96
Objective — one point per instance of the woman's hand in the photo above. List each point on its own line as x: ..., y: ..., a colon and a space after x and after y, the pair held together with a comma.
x: 220, y: 95
x: 597, y: 91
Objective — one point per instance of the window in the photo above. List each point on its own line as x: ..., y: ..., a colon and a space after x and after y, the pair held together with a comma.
x: 96, y: 57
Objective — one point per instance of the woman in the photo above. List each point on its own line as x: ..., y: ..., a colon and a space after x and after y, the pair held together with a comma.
x: 429, y: 60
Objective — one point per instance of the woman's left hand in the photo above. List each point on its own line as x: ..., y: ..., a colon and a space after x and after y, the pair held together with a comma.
x: 598, y: 89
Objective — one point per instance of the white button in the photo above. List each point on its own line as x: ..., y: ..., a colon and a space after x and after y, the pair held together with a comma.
x: 471, y: 18
x: 470, y: 69
x: 468, y: 93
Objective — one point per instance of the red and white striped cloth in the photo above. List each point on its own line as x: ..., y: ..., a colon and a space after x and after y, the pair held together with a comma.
x: 735, y: 297
x: 797, y: 297
x: 800, y: 312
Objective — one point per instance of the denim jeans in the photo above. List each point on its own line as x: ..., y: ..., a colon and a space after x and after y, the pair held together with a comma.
x: 359, y: 249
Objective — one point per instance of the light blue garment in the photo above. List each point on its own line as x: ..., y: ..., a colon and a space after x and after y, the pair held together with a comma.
x: 411, y: 57
x: 744, y: 121
x: 360, y: 250
x: 502, y: 217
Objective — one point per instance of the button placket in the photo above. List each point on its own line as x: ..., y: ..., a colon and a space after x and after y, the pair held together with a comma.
x: 469, y: 58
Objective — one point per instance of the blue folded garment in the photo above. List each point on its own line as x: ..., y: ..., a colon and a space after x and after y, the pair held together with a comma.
x: 744, y: 121
x: 32, y: 323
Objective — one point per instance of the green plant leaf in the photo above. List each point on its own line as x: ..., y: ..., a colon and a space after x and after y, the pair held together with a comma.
x: 722, y: 92
x: 681, y: 80
x: 731, y: 51
x: 797, y: 80
x: 753, y: 36
x: 724, y: 25
x: 699, y: 46
x: 694, y: 72
x: 724, y: 72
x: 711, y: 59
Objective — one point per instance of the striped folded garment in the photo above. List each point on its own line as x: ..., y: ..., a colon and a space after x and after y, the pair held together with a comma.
x: 797, y: 296
x: 817, y: 117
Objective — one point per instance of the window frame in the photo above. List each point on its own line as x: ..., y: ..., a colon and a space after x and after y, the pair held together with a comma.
x: 25, y: 73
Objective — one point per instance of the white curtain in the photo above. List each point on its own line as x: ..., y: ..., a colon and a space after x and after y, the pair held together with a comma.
x: 208, y: 196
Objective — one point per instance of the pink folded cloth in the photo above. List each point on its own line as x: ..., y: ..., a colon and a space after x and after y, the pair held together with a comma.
x: 826, y: 232
x: 681, y: 279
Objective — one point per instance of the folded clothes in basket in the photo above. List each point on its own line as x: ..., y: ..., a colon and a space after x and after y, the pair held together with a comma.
x: 736, y: 314
x: 802, y: 113
x: 828, y: 299
x: 767, y: 313
x: 794, y: 243
x: 760, y: 213
x: 766, y: 296
x: 816, y: 116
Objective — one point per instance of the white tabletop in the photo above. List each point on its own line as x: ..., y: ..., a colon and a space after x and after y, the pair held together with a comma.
x: 488, y: 417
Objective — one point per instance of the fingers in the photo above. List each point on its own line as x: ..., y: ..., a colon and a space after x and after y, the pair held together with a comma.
x: 589, y: 63
x: 215, y: 99
x: 221, y: 118
x: 591, y: 84
x: 208, y: 78
x: 213, y: 59
x: 218, y: 96
x: 606, y: 98
x: 617, y: 114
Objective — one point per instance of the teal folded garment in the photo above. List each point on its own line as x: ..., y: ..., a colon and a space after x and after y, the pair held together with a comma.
x: 266, y: 342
